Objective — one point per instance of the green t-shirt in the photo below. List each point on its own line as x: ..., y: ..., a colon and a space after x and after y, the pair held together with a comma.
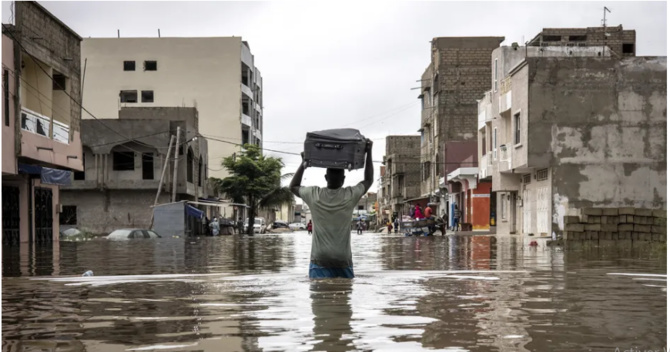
x: 331, y: 214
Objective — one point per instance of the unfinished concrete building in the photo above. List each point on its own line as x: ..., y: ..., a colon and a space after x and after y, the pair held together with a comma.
x: 122, y: 174
x: 403, y: 173
x: 571, y: 128
x: 459, y: 73
x: 620, y: 41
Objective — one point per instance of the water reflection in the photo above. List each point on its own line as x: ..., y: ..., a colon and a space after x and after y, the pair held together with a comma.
x: 468, y: 293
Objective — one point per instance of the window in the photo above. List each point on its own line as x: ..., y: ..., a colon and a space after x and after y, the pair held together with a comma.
x: 577, y: 38
x: 551, y: 38
x: 542, y: 175
x: 123, y: 161
x: 437, y: 169
x: 526, y: 178
x: 81, y: 175
x: 495, y: 76
x: 58, y: 82
x: 128, y: 96
x: 517, y: 128
x: 245, y: 136
x: 150, y: 65
x: 147, y: 96
x: 629, y: 48
x: 483, y: 146
x: 69, y: 215
x: 129, y: 65
x: 189, y: 166
x: 426, y: 170
x: 147, y: 166
x: 5, y: 94
x: 200, y: 174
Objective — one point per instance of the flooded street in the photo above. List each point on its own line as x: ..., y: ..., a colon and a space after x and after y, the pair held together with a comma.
x: 454, y: 293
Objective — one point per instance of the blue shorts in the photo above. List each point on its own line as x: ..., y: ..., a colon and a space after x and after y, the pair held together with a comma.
x: 319, y: 272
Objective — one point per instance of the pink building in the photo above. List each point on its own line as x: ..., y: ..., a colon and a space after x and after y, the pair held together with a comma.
x: 41, y: 113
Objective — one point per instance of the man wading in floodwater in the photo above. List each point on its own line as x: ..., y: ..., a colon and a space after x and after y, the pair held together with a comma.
x: 331, y: 209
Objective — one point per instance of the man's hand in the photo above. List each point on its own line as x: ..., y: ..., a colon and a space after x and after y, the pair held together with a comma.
x: 368, y: 146
x: 302, y: 161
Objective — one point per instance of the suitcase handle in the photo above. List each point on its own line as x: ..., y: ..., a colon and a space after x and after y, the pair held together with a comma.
x: 328, y: 146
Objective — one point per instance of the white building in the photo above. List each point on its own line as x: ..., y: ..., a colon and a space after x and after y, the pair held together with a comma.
x: 216, y: 75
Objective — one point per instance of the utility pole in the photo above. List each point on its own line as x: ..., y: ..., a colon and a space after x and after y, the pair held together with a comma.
x: 160, y: 183
x: 605, y: 11
x: 165, y: 164
x: 176, y: 164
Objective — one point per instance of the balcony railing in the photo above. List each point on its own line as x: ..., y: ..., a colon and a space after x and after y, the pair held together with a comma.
x: 246, y: 119
x: 505, y: 162
x: 40, y: 124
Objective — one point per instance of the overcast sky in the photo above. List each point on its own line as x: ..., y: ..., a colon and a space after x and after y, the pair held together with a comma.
x: 336, y: 64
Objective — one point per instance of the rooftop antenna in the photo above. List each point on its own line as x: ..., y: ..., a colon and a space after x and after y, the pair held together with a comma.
x: 605, y: 11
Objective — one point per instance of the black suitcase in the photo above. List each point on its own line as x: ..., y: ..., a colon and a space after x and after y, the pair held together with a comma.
x: 337, y: 149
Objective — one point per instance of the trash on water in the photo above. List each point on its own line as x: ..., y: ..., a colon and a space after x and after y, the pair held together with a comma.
x: 88, y: 273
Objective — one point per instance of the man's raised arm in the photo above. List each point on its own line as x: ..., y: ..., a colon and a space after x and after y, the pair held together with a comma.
x: 297, y: 177
x: 369, y: 169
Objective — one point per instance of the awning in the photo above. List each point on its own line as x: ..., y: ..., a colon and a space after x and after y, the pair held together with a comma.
x: 194, y: 212
x: 47, y: 175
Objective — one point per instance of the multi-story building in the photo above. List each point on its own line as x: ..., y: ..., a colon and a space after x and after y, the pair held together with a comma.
x: 41, y: 113
x: 571, y: 127
x: 123, y: 168
x: 216, y: 75
x: 403, y: 171
x: 457, y: 76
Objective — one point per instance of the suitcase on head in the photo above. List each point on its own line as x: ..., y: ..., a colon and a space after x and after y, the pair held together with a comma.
x: 337, y: 149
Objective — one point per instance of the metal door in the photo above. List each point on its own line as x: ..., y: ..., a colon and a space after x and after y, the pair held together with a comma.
x: 10, y: 216
x: 43, y: 216
x: 542, y: 205
x: 527, y: 210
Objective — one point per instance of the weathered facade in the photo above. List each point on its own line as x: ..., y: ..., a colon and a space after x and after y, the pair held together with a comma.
x: 620, y: 41
x: 570, y: 128
x: 41, y: 123
x: 123, y: 166
x: 459, y: 73
x: 403, y: 171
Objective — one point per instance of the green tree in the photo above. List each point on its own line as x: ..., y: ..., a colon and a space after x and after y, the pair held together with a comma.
x: 255, y: 180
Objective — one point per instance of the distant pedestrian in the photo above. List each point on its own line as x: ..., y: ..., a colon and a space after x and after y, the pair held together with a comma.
x: 359, y: 228
x: 417, y: 212
x: 309, y: 227
x: 214, y: 225
x: 444, y: 223
x: 389, y: 226
x: 457, y: 217
x: 396, y: 224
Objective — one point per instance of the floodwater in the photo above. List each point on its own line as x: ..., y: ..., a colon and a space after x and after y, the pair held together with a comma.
x: 453, y: 293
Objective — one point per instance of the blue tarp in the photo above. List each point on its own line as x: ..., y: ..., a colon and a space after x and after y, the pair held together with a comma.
x: 47, y: 175
x: 194, y: 212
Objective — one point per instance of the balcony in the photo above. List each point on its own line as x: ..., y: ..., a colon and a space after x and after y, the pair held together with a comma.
x: 258, y: 134
x: 246, y: 90
x: 485, y: 166
x: 40, y: 125
x: 505, y: 162
x: 246, y: 119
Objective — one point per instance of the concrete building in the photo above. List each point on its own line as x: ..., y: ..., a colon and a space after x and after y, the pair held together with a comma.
x: 620, y: 42
x: 571, y: 127
x: 123, y: 164
x: 457, y: 76
x: 216, y: 75
x: 403, y: 174
x: 41, y: 112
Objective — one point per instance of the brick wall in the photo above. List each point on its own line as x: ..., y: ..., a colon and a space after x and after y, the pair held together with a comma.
x: 605, y: 225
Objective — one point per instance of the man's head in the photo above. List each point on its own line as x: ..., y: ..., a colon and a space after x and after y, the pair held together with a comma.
x: 335, y: 178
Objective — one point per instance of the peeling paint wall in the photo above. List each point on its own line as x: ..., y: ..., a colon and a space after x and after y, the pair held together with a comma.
x: 600, y: 124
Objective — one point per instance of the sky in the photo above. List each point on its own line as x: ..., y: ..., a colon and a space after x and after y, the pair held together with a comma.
x: 344, y: 64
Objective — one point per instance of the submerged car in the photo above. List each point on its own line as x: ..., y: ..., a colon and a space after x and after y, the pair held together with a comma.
x: 297, y: 226
x: 129, y: 234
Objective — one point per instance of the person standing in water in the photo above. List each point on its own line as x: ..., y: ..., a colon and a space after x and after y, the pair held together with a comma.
x: 309, y: 227
x: 331, y: 209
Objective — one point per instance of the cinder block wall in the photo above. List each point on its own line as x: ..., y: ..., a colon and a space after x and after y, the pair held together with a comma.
x: 606, y: 225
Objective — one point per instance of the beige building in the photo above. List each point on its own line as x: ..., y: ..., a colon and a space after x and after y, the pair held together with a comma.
x: 570, y: 127
x: 41, y: 143
x: 403, y: 173
x: 216, y: 75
